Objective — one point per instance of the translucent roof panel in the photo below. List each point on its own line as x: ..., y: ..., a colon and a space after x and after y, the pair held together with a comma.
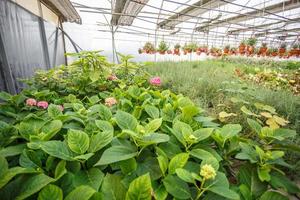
x: 209, y: 22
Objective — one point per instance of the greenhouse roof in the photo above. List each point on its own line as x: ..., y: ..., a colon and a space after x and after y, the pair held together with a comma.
x: 207, y: 22
x: 65, y: 9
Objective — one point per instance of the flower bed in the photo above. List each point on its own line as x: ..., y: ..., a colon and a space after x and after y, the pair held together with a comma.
x: 94, y: 130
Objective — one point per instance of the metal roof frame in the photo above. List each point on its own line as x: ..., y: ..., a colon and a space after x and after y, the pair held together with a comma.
x: 275, y: 8
x: 64, y: 9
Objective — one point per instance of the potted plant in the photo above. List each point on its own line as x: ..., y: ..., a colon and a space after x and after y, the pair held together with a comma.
x: 185, y: 48
x: 251, y: 42
x: 193, y: 47
x: 140, y: 51
x: 273, y: 52
x: 263, y: 49
x: 295, y: 51
x: 256, y: 52
x: 177, y: 49
x: 242, y: 47
x: 214, y: 51
x: 282, y: 49
x: 149, y: 47
x: 233, y: 50
x: 162, y: 47
x: 226, y: 49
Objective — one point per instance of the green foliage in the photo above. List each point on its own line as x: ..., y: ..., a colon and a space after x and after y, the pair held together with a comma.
x: 151, y: 144
x: 163, y: 46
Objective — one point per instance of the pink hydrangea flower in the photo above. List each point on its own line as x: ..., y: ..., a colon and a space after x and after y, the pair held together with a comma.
x: 42, y: 104
x: 112, y: 77
x: 61, y: 107
x: 155, y: 81
x: 110, y: 101
x: 31, y: 102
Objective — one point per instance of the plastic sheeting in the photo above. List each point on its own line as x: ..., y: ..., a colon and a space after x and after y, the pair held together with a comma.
x: 27, y: 43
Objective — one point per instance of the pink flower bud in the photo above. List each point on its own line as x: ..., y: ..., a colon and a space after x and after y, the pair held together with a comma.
x: 112, y: 77
x: 110, y: 101
x: 61, y: 107
x: 31, y: 102
x: 155, y: 81
x: 42, y: 104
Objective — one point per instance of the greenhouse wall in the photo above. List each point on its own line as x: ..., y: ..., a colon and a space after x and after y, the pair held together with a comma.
x: 29, y: 40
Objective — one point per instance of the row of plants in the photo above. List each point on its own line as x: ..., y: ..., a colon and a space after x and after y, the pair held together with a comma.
x: 245, y: 48
x: 273, y: 78
x: 95, y: 130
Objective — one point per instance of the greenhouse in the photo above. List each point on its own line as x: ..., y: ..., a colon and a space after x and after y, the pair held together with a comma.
x: 150, y: 99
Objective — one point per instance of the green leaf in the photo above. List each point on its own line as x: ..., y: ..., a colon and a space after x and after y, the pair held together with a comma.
x: 126, y: 120
x: 104, y: 125
x: 282, y: 134
x: 92, y: 177
x: 112, y: 188
x: 82, y: 192
x: 3, y: 166
x: 78, y: 141
x: 263, y: 173
x: 153, y: 138
x: 51, y: 192
x: 178, y: 161
x: 185, y: 175
x: 12, y: 150
x: 32, y: 185
x: 203, y: 133
x: 54, y: 111
x: 153, y: 125
x: 140, y: 188
x: 84, y: 157
x: 184, y: 101
x: 102, y: 110
x: 248, y: 175
x: 60, y: 169
x: 163, y: 163
x: 184, y: 128
x: 224, y: 191
x: 247, y: 153
x: 254, y: 125
x: 272, y: 195
x: 57, y: 149
x: 30, y: 127
x: 245, y: 110
x: 30, y: 159
x: 50, y: 129
x: 149, y: 165
x: 189, y: 111
x: 245, y: 192
x: 5, y: 96
x: 281, y: 181
x: 100, y: 140
x: 152, y: 111
x: 206, y: 157
x: 115, y: 154
x: 230, y: 130
x: 128, y: 166
x: 12, y: 172
x: 160, y: 193
x: 176, y: 187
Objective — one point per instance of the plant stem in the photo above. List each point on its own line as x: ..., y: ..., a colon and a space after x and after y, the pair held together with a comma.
x: 201, y: 190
